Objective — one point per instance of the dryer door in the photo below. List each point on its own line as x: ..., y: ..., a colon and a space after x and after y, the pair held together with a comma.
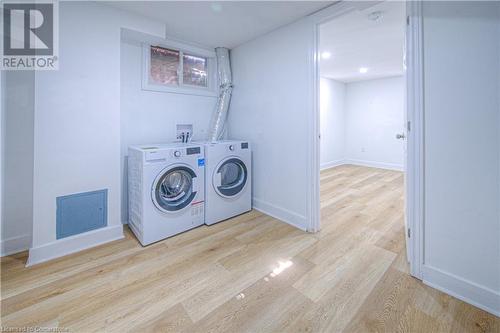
x: 230, y: 177
x: 173, y: 189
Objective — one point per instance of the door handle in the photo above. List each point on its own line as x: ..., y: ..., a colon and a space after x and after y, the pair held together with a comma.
x: 400, y: 136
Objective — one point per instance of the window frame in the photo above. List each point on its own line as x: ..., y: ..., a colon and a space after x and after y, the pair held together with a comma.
x: 181, y: 87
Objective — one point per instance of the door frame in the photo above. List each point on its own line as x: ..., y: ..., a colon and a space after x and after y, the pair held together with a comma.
x: 414, y: 184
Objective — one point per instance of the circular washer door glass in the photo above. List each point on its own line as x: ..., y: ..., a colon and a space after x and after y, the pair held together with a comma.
x: 233, y: 176
x: 173, y: 190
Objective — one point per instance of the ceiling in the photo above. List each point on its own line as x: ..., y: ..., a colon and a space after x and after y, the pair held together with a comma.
x: 224, y: 23
x: 359, y: 40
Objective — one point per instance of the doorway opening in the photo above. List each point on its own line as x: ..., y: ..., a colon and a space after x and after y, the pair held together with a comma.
x: 363, y: 130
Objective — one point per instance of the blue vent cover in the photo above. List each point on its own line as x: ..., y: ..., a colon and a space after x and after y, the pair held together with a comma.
x: 78, y: 213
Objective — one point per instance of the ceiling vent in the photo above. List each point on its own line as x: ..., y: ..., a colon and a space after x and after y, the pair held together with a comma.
x: 375, y: 16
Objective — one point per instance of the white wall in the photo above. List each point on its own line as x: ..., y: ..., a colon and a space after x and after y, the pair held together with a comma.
x: 374, y: 114
x: 272, y: 107
x: 77, y: 121
x: 462, y: 148
x: 150, y: 116
x: 359, y: 122
x: 332, y: 122
x: 17, y: 161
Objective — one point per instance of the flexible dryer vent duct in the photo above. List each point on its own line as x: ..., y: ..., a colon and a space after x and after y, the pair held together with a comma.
x: 218, y: 123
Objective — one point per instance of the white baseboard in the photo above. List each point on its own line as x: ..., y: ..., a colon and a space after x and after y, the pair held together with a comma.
x: 467, y: 291
x: 374, y: 164
x: 332, y: 164
x: 15, y: 245
x: 282, y: 214
x: 72, y: 244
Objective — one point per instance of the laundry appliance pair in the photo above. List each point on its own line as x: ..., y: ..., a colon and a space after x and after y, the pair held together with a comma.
x: 179, y: 186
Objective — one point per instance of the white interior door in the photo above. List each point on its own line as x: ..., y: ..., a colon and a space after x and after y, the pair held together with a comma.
x: 404, y: 135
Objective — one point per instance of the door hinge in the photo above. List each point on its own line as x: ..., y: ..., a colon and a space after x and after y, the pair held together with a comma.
x: 408, y: 126
x: 408, y: 20
x: 409, y: 232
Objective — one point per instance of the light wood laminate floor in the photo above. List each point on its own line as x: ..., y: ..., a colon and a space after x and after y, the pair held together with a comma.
x: 249, y: 274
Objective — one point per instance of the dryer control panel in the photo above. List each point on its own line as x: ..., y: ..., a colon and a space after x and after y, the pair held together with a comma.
x: 237, y: 146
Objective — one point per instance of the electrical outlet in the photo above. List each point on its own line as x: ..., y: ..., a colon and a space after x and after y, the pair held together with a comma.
x: 184, y: 132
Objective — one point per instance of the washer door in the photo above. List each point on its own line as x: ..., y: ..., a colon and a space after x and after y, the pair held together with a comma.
x: 230, y: 177
x: 173, y: 189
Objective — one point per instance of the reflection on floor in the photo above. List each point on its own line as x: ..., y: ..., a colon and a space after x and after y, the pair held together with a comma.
x: 251, y: 273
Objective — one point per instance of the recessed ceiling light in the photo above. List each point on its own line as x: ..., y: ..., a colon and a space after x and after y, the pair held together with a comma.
x: 216, y: 7
x: 363, y: 70
x: 326, y: 55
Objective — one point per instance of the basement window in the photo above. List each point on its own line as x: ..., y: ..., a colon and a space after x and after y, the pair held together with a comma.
x: 178, y: 70
x: 164, y: 66
x: 194, y: 70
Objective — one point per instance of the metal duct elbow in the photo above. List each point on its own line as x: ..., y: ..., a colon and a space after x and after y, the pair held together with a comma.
x: 219, y: 117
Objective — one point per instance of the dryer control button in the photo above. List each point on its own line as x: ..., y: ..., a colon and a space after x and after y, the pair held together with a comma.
x: 177, y: 153
x: 231, y: 147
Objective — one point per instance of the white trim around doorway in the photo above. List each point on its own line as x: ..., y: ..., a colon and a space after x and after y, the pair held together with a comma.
x: 415, y: 171
x: 415, y: 134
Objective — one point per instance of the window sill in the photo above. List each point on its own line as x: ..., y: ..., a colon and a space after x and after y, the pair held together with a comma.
x: 179, y: 90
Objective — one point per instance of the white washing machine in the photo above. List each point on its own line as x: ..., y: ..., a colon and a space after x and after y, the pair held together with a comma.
x: 166, y: 186
x: 228, y: 180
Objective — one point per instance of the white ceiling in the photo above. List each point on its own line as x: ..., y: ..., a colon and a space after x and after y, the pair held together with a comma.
x: 355, y: 41
x: 224, y: 23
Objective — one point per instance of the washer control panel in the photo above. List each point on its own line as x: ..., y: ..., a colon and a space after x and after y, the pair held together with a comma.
x: 193, y: 150
x: 159, y: 154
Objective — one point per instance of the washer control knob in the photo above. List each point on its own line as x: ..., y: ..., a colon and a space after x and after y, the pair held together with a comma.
x: 177, y: 153
x: 231, y: 147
